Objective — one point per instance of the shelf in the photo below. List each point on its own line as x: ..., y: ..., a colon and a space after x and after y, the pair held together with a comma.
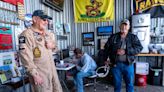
x: 8, y: 10
x: 156, y: 36
x: 12, y: 23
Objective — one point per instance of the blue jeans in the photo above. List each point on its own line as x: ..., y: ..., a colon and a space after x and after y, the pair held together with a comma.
x: 78, y: 80
x: 127, y: 71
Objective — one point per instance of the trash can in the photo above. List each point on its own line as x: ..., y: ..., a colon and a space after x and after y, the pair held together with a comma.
x: 141, y: 72
x: 155, y: 76
x: 140, y: 80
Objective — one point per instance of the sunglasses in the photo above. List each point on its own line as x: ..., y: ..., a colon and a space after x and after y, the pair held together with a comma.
x: 45, y: 19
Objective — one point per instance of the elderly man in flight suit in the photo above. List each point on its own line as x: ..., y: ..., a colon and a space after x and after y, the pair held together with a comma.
x: 36, y: 46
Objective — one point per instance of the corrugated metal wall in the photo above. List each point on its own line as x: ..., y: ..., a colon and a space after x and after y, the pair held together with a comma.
x: 122, y: 10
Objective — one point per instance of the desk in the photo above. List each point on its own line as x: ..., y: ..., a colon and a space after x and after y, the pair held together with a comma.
x: 156, y: 55
x: 17, y: 86
x: 70, y: 66
x: 62, y: 69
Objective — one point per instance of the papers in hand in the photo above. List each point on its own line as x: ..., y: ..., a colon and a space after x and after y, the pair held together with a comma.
x: 62, y: 65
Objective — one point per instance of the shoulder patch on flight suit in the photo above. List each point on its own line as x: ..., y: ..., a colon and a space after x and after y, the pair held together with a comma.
x: 22, y: 40
x: 37, y: 52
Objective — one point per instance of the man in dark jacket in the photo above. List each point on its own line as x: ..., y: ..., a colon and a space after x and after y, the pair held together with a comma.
x: 121, y: 49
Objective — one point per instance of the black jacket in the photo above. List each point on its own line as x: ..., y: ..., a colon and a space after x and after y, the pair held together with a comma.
x: 133, y: 47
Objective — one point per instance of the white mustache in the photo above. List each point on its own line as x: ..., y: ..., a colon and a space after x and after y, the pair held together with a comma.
x: 123, y: 30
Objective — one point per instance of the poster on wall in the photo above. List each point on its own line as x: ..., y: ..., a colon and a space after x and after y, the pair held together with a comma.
x: 7, y: 58
x: 21, y: 11
x: 8, y: 66
x: 154, y: 7
x: 28, y: 20
x: 20, y: 7
x: 93, y: 10
x: 5, y: 38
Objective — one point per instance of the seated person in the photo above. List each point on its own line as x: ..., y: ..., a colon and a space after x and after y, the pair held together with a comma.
x: 85, y: 67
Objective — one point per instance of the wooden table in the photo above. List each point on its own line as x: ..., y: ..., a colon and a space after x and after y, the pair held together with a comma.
x: 156, y: 55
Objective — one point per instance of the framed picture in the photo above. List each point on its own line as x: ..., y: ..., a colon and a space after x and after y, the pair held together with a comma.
x: 88, y: 39
x: 66, y: 28
x: 50, y: 25
x: 54, y: 4
x: 7, y: 58
x: 104, y: 30
x: 28, y: 20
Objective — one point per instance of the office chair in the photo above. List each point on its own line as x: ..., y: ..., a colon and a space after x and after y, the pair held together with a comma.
x: 101, y: 72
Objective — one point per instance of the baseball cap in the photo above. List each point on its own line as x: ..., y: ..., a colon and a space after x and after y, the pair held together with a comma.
x: 42, y: 14
x: 125, y: 21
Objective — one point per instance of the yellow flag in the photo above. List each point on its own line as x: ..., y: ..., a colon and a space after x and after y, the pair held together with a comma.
x: 93, y: 10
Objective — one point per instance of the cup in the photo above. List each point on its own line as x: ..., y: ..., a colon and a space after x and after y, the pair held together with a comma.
x: 61, y: 62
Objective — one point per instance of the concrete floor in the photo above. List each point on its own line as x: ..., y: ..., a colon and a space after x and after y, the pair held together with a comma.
x: 101, y: 87
x: 148, y: 88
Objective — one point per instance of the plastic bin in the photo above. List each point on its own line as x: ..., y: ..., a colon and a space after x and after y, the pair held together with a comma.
x: 142, y: 68
x: 140, y: 80
x: 155, y: 76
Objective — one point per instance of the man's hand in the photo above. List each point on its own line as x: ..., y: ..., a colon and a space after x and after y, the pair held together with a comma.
x: 120, y: 51
x: 49, y: 45
x: 107, y: 63
x: 38, y: 80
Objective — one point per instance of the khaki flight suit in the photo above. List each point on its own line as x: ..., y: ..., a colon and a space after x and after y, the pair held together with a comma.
x: 37, y: 59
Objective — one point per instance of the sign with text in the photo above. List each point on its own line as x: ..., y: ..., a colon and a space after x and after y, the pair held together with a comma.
x: 154, y: 7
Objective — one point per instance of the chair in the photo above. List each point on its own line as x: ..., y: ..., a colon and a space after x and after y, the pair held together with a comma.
x: 99, y: 74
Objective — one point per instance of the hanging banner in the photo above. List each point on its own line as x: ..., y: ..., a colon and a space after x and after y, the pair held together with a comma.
x: 5, y: 38
x: 154, y: 7
x: 20, y: 1
x: 93, y: 10
x: 14, y: 2
x: 10, y: 1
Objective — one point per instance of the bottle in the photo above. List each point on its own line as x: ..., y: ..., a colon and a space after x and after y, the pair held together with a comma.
x: 14, y: 74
